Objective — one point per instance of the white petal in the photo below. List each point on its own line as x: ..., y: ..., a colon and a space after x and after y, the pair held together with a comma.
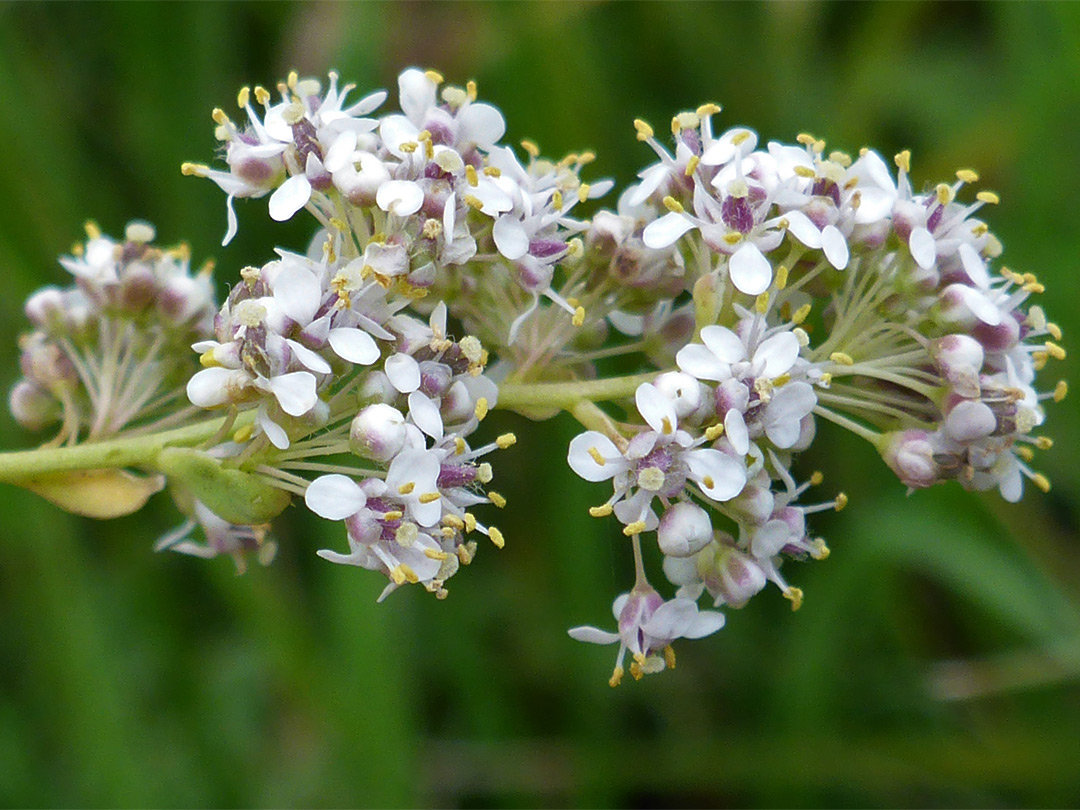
x: 289, y: 198
x: 334, y: 497
x: 510, y: 237
x: 697, y: 361
x: 726, y: 475
x: 311, y: 360
x: 396, y: 130
x: 981, y: 307
x: 725, y: 344
x: 651, y: 179
x: 656, y: 409
x: 666, y: 230
x: 770, y: 539
x: 481, y: 124
x: 416, y: 94
x: 295, y: 392
x: 298, y: 292
x: 974, y: 266
x: 800, y: 226
x: 230, y: 215
x: 425, y: 414
x: 585, y: 465
x: 340, y: 152
x: 735, y: 430
x: 835, y: 246
x: 777, y: 354
x: 750, y: 271
x: 449, y: 212
x: 403, y: 372
x: 493, y: 200
x: 592, y: 635
x: 210, y: 387
x: 274, y: 432
x: 923, y: 248
x: 874, y: 205
x: 354, y: 345
x: 785, y: 411
x: 400, y: 197
x: 705, y: 623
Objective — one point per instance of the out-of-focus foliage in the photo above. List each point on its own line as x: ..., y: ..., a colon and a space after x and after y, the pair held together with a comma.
x: 937, y: 658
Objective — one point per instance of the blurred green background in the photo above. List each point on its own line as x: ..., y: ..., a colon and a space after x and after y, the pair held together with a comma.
x: 937, y: 658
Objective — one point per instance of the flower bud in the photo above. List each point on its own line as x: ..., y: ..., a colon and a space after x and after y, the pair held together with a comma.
x: 684, y: 529
x: 970, y: 420
x: 32, y: 406
x: 754, y: 504
x: 910, y: 454
x: 734, y: 576
x: 959, y: 358
x: 45, y: 308
x: 377, y: 432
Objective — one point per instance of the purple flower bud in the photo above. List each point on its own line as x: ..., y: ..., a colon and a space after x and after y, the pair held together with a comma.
x: 684, y: 529
x: 377, y: 432
x: 910, y: 454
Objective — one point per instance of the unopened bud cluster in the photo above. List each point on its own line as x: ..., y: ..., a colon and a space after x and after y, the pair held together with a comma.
x: 757, y: 287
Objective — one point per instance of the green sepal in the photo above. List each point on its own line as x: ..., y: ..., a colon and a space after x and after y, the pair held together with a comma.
x: 233, y: 495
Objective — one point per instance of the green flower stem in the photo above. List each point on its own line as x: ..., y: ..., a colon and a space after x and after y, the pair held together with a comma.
x: 136, y: 451
x: 565, y: 396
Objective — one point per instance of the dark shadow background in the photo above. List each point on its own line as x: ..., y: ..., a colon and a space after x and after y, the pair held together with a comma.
x: 936, y: 660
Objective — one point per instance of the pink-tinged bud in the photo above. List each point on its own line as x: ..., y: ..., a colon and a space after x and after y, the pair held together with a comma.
x: 970, y: 420
x: 377, y: 432
x: 32, y: 406
x: 910, y: 454
x: 999, y: 338
x: 457, y: 404
x: 959, y: 358
x: 138, y: 287
x: 684, y: 529
x: 869, y: 236
x: 45, y: 308
x: 434, y: 378
x: 754, y: 504
x: 735, y: 577
x: 377, y: 388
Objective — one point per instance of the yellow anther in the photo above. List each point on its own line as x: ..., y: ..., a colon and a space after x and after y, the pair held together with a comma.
x: 673, y: 205
x: 816, y: 478
x: 741, y: 137
x: 944, y: 193
x: 434, y: 76
x: 795, y: 596
x: 484, y: 473
x: 531, y: 148
x: 556, y: 199
x: 481, y: 409
x: 470, y: 522
x: 492, y: 171
x: 761, y: 303
x: 496, y: 537
x: 903, y: 160
x: 782, y: 380
x: 1044, y: 442
x: 1039, y: 360
x: 781, y: 277
x: 292, y: 79
x: 1061, y: 390
x: 616, y: 677
x: 262, y: 95
x: 980, y: 229
x: 732, y: 238
x: 1041, y: 481
x: 666, y: 427
x: 470, y: 176
x: 637, y: 527
x: 453, y: 521
x: 465, y: 553
x: 193, y: 169
x: 804, y: 171
x: 243, y: 434
x: 1034, y: 287
x: 219, y: 116
x: 1054, y: 350
x: 1025, y: 453
x: 801, y: 314
x: 470, y: 90
x: 636, y: 670
x: 599, y: 459
x: 1054, y: 330
x: 644, y: 131
x: 207, y: 360
x: 496, y: 498
x: 397, y: 575
x: 473, y: 202
x: 243, y: 97
x: 669, y: 657
x: 435, y: 554
x: 841, y: 501
x: 691, y: 165
x: 429, y: 497
x: 579, y: 317
x: 713, y: 433
x: 406, y: 488
x: 967, y: 176
x: 841, y: 359
x: 988, y: 197
x: 805, y: 138
x: 708, y: 109
x: 586, y: 157
x: 840, y: 158
x: 506, y: 440
x: 600, y: 511
x: 708, y: 482
x: 818, y: 549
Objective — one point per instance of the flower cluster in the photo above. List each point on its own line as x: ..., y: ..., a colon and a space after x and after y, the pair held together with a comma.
x: 110, y: 350
x: 754, y: 288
